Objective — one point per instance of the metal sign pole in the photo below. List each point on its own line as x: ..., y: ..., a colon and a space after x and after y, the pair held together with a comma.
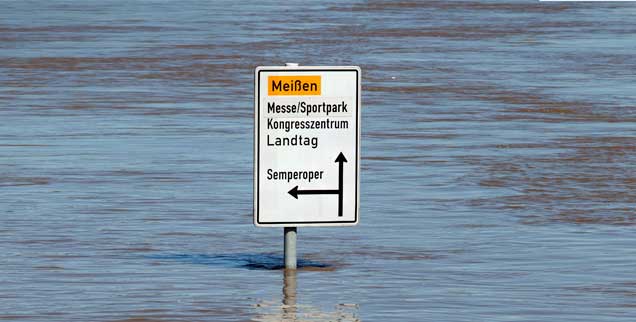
x: 290, y: 247
x: 290, y: 232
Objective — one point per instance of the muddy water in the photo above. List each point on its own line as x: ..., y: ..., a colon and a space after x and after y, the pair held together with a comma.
x: 498, y: 178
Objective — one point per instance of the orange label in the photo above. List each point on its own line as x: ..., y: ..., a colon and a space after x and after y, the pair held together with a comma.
x: 293, y: 85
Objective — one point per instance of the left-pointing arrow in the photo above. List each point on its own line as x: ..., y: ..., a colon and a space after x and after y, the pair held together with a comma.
x: 295, y: 192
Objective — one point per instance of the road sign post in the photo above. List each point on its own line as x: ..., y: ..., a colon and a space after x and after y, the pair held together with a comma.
x: 307, y: 147
x: 290, y: 247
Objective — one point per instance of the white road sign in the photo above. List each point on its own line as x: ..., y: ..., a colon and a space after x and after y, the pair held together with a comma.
x: 307, y: 146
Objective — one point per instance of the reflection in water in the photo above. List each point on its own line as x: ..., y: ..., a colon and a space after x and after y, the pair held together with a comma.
x: 291, y: 311
x: 289, y: 295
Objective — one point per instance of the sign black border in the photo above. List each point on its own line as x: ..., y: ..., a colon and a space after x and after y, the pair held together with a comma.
x: 258, y: 147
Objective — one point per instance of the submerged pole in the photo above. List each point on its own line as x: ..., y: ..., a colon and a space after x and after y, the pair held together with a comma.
x: 290, y: 232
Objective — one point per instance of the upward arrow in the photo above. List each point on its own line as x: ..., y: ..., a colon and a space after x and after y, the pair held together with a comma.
x: 294, y: 192
x: 341, y: 160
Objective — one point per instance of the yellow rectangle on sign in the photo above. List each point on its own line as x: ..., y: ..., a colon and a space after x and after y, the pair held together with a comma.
x: 293, y: 85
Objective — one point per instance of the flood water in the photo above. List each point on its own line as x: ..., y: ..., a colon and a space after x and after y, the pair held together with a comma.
x: 498, y: 165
